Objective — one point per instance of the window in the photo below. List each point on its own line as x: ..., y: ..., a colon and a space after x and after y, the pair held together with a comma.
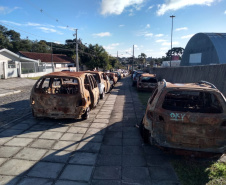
x: 192, y: 101
x: 148, y: 79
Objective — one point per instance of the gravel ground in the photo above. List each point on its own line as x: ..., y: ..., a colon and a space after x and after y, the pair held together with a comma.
x: 15, y: 106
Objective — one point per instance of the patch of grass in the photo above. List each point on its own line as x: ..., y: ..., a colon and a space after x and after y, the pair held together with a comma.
x: 144, y: 96
x: 34, y: 78
x: 196, y: 172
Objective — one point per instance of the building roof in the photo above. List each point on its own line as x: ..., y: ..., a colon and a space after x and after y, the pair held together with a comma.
x: 2, y: 51
x: 66, y: 74
x: 219, y: 42
x: 205, y: 49
x: 47, y: 57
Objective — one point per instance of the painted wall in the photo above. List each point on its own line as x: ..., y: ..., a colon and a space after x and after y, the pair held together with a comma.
x: 215, y: 74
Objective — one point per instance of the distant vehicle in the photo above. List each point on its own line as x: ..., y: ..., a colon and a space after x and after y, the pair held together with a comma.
x: 118, y: 74
x: 147, y: 82
x: 64, y: 95
x: 136, y: 76
x: 190, y: 116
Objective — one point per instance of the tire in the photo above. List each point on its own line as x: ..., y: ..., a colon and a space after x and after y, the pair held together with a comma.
x: 86, y: 114
x: 102, y: 95
x: 144, y: 132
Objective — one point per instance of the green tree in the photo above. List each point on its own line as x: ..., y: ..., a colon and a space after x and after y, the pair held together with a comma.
x: 175, y: 51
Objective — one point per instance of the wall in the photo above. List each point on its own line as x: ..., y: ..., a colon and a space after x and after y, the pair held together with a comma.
x: 215, y: 74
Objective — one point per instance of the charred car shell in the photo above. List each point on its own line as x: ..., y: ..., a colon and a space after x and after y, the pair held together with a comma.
x: 186, y: 116
x: 64, y: 95
x: 147, y: 82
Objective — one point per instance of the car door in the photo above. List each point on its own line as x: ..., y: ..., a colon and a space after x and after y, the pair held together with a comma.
x: 95, y: 90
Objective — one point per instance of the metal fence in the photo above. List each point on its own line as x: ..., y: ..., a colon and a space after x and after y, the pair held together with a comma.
x: 32, y: 67
x: 1, y: 70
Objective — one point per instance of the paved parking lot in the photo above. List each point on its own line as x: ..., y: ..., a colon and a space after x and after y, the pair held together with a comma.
x: 105, y: 149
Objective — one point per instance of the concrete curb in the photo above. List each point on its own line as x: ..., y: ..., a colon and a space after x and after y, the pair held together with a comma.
x: 9, y: 93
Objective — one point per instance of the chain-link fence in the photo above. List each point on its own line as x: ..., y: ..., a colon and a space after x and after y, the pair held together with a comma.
x: 33, y: 67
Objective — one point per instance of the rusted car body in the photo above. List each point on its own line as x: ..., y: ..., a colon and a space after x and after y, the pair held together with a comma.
x: 113, y: 78
x: 64, y: 95
x: 190, y: 116
x: 102, y: 84
x: 147, y: 82
x: 107, y: 83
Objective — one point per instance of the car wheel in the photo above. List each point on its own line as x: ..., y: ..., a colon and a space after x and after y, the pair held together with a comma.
x: 102, y: 95
x: 86, y: 114
x: 144, y: 132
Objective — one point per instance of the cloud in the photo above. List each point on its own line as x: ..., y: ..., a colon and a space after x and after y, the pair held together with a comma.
x: 159, y: 35
x: 49, y: 30
x: 178, y: 4
x: 102, y: 34
x: 111, y: 46
x: 160, y: 40
x: 187, y: 36
x: 183, y: 28
x: 121, y: 25
x: 148, y: 34
x: 6, y: 10
x: 148, y: 26
x: 10, y: 22
x: 33, y: 24
x: 225, y: 12
x: 164, y: 49
x: 117, y: 6
x: 169, y: 43
x: 150, y: 7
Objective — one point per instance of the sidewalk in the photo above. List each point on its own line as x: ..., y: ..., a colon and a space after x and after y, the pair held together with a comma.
x: 14, y: 85
x: 105, y: 149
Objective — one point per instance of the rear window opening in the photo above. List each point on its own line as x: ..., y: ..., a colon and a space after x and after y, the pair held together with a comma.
x: 192, y: 101
x: 57, y: 86
x: 149, y: 79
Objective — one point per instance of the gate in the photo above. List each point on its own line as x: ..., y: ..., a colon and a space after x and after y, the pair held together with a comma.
x: 12, y: 69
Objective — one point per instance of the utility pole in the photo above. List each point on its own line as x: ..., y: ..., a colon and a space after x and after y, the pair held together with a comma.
x: 172, y: 16
x: 133, y: 58
x: 52, y: 56
x: 76, y: 41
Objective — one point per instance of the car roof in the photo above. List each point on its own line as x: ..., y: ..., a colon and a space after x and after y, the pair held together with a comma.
x: 66, y: 74
x: 94, y: 72
x: 148, y: 75
x: 190, y: 86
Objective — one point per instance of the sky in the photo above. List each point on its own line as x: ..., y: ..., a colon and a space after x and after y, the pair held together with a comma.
x: 117, y: 25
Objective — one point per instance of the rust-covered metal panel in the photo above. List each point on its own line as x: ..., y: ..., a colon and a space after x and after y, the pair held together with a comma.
x: 62, y: 95
x: 147, y: 82
x: 189, y: 118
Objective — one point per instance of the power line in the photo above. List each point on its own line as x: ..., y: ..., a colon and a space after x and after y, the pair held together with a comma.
x: 41, y: 10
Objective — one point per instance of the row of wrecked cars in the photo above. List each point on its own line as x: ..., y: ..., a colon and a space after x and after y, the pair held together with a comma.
x: 183, y: 116
x: 68, y: 94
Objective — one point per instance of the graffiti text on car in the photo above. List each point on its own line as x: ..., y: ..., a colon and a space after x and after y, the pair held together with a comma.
x: 177, y: 116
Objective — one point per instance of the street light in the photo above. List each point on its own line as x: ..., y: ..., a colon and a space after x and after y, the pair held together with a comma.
x: 172, y: 16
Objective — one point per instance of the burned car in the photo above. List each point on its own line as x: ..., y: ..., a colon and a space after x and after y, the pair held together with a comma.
x: 113, y: 78
x: 64, y: 95
x: 102, y: 84
x: 190, y: 116
x: 147, y: 82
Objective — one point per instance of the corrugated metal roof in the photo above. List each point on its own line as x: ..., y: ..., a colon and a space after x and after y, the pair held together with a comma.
x: 219, y: 42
